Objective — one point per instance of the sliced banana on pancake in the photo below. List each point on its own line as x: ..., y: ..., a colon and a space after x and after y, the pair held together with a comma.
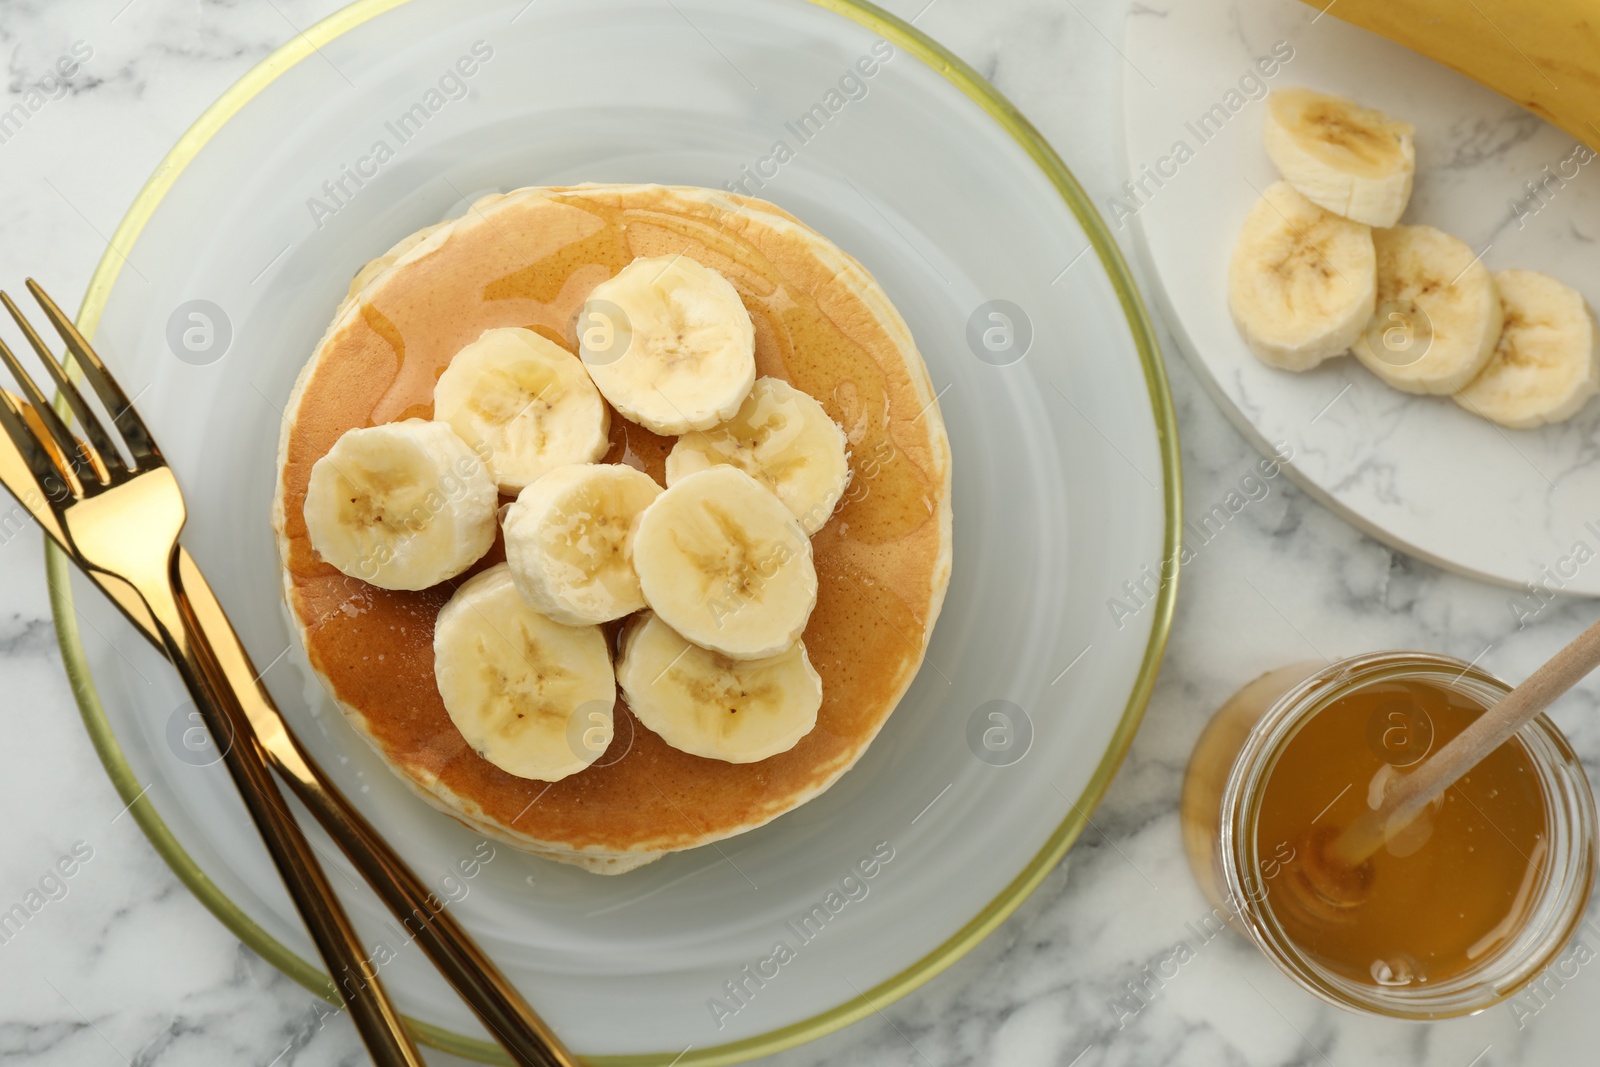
x: 1438, y: 316
x: 706, y: 704
x: 569, y: 541
x: 402, y: 505
x: 531, y: 696
x: 783, y: 439
x: 725, y: 564
x: 1546, y: 365
x: 669, y: 343
x: 1349, y: 159
x: 525, y: 403
x: 1301, y: 281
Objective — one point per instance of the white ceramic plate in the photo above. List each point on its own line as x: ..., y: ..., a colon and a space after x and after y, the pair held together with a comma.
x: 1419, y: 473
x: 1065, y: 487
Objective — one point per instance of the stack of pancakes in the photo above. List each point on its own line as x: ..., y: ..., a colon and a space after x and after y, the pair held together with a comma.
x: 530, y: 258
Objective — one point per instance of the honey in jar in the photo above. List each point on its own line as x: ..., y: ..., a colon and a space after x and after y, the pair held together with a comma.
x: 1456, y: 910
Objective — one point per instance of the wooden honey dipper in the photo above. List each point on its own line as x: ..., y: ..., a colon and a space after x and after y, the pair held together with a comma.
x: 1335, y: 868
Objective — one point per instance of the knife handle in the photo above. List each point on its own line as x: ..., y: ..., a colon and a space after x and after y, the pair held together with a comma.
x: 489, y: 993
x: 355, y: 977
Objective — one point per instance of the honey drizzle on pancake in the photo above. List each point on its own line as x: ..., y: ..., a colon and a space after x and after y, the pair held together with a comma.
x: 864, y: 637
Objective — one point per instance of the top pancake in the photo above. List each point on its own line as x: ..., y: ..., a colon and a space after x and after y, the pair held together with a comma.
x: 529, y: 259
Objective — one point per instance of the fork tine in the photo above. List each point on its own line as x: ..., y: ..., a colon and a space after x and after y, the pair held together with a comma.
x: 99, y: 444
x: 77, y: 455
x: 30, y: 416
x: 135, y: 434
x: 35, y: 453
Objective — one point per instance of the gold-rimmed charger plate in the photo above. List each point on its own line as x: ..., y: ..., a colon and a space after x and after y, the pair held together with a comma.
x: 1065, y: 458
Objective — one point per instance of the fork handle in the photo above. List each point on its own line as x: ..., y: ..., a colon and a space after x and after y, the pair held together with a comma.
x: 505, y: 1013
x: 356, y: 978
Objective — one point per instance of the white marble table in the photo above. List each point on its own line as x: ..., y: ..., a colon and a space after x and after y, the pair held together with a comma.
x: 128, y: 968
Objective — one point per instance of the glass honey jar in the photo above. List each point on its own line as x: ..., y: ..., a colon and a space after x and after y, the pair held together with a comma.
x: 1457, y: 910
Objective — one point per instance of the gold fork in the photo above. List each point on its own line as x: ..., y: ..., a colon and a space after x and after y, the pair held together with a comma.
x: 54, y: 476
x: 120, y: 524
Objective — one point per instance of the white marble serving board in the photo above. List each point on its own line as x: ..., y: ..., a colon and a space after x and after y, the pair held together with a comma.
x: 1512, y: 506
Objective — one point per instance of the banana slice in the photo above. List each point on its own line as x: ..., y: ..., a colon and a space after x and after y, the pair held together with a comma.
x: 531, y: 696
x: 722, y: 561
x: 705, y: 704
x: 669, y: 343
x: 569, y: 541
x: 1438, y: 316
x: 1352, y: 160
x: 783, y: 439
x: 1546, y: 365
x: 1301, y: 281
x: 524, y: 403
x: 402, y: 505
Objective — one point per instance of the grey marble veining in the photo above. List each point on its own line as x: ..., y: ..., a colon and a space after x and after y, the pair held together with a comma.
x: 124, y: 966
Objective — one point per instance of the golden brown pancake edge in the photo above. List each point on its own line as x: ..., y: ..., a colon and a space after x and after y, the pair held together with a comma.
x: 807, y: 268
